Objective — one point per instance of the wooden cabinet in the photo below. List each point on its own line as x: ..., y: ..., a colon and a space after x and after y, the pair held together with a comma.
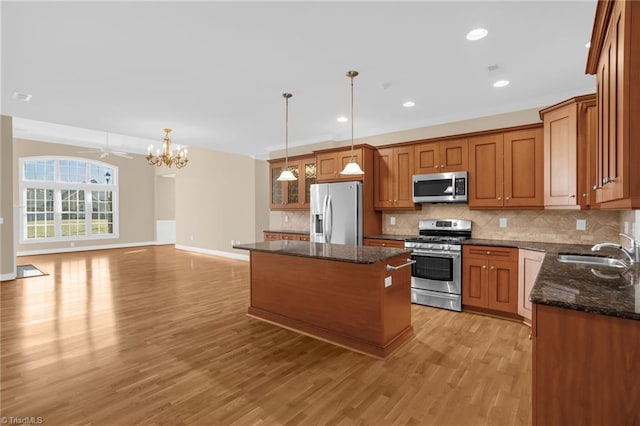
x: 585, y: 368
x: 490, y: 278
x: 393, y: 173
x: 614, y: 57
x: 293, y: 195
x: 441, y: 157
x: 330, y: 164
x: 277, y: 236
x: 529, y: 263
x: 379, y: 242
x: 569, y: 153
x: 506, y: 170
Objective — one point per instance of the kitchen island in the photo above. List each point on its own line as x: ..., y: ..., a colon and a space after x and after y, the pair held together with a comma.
x: 344, y: 294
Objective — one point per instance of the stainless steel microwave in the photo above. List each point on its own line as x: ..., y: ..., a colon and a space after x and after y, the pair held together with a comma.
x: 440, y: 188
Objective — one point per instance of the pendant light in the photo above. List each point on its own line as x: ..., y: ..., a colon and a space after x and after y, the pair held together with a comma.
x: 286, y: 174
x: 352, y: 167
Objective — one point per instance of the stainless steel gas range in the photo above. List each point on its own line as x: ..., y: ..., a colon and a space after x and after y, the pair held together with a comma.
x: 436, y: 277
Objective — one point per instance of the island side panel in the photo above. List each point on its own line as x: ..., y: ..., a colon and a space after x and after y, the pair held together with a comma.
x: 342, y: 302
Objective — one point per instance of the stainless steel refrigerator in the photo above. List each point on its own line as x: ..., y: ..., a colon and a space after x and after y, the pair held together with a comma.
x: 336, y: 213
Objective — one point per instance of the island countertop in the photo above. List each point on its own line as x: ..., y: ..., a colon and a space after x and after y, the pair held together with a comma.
x: 338, y: 252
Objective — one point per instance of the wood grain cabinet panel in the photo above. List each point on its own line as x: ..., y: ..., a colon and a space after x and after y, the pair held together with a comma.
x: 490, y: 278
x: 330, y: 164
x: 614, y: 57
x: 394, y: 178
x: 277, y: 236
x: 441, y: 157
x: 585, y: 368
x: 506, y: 170
x: 569, y: 153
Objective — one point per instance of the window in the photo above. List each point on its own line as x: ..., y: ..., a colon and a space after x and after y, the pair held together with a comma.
x: 68, y: 199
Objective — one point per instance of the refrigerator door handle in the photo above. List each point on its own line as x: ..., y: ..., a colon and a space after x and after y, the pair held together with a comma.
x: 329, y: 219
x: 325, y: 204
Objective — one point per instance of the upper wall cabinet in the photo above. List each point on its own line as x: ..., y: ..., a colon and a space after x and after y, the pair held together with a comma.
x: 331, y: 163
x: 293, y: 195
x: 614, y: 57
x: 506, y: 170
x: 569, y: 153
x: 441, y: 157
x: 394, y: 178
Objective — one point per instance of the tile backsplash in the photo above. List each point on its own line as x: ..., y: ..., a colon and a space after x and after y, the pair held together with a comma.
x: 554, y: 226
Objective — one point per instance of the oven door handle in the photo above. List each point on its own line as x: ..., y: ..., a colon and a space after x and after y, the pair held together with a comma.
x: 395, y: 268
x: 425, y: 253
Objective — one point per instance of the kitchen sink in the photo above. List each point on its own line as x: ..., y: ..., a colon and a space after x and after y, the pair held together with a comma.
x: 587, y: 259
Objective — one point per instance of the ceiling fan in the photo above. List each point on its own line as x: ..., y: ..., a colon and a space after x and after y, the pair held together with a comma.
x: 106, y: 150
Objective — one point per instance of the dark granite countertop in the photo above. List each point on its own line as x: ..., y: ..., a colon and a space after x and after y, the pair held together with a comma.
x: 338, y: 252
x: 585, y: 288
x: 391, y: 237
x: 287, y: 231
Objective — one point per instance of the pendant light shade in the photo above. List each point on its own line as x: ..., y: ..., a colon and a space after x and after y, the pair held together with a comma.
x: 286, y: 174
x: 352, y: 167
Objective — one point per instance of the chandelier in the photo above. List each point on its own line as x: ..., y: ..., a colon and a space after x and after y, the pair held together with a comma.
x: 167, y: 157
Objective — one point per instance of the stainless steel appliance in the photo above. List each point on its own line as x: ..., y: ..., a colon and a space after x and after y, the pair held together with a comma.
x: 336, y: 213
x: 436, y: 277
x: 440, y: 188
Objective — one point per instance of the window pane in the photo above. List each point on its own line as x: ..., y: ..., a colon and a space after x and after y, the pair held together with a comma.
x: 73, y: 212
x: 102, y: 214
x: 39, y: 213
x: 73, y: 171
x: 39, y: 170
x: 101, y: 174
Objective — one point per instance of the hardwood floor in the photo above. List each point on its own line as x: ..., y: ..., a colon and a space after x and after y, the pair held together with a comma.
x: 154, y: 335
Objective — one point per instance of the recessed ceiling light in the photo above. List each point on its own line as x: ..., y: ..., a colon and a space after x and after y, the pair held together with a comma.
x: 342, y: 119
x: 409, y: 104
x: 501, y: 83
x: 477, y: 34
x: 22, y: 96
x: 588, y: 45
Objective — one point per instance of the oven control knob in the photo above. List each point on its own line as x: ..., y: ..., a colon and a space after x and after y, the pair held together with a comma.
x: 429, y: 246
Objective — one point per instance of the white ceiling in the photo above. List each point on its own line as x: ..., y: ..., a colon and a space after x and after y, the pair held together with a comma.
x: 215, y: 71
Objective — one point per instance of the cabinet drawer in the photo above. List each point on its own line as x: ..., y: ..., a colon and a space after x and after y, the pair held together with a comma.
x: 502, y: 253
x: 376, y: 242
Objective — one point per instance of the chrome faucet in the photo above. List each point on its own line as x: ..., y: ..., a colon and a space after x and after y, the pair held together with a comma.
x: 632, y: 252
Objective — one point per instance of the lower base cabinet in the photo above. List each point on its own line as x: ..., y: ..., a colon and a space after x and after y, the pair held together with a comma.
x: 586, y: 368
x: 490, y: 278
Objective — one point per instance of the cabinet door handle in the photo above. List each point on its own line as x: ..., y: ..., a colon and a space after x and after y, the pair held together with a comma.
x: 596, y: 187
x: 484, y: 266
x: 395, y: 268
x: 436, y: 166
x: 442, y: 166
x: 488, y: 252
x: 499, y: 198
x: 493, y: 267
x: 574, y: 195
x: 507, y: 198
x: 584, y: 195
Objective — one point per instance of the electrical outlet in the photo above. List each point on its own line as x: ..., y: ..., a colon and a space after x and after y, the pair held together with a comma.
x: 503, y: 222
x: 392, y: 220
x: 626, y: 228
x: 232, y: 243
x: 191, y: 237
x: 1, y: 220
x: 581, y: 224
x: 286, y: 218
x: 388, y: 281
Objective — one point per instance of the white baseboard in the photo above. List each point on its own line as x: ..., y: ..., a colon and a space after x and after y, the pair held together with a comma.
x: 8, y: 277
x: 213, y: 252
x: 82, y: 248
